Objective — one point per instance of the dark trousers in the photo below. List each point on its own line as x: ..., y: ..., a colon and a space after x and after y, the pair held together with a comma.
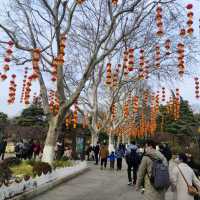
x: 119, y: 163
x: 103, y: 162
x: 135, y: 169
x: 2, y: 154
x: 112, y: 164
x: 96, y: 158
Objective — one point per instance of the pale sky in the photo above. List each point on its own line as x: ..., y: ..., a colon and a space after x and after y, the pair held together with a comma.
x: 186, y: 86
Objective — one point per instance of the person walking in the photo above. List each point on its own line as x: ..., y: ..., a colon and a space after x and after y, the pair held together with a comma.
x: 104, y: 155
x: 96, y: 153
x: 19, y: 149
x: 145, y: 172
x: 132, y: 160
x: 119, y: 154
x: 3, y: 146
x: 182, y: 177
x: 112, y: 158
x: 36, y: 149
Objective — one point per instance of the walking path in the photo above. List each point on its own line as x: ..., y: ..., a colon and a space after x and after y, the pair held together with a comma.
x: 95, y: 185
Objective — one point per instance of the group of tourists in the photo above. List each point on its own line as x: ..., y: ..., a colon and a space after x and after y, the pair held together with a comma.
x: 25, y: 149
x: 154, y: 170
x: 61, y: 150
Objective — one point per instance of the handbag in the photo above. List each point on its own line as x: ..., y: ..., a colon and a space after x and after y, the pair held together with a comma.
x: 191, y: 189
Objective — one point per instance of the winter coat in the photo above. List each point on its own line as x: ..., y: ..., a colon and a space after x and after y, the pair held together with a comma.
x: 145, y: 171
x: 178, y: 183
x: 119, y: 153
x: 112, y: 157
x: 104, y: 152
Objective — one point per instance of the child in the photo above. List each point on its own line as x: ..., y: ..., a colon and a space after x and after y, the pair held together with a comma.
x: 112, y: 160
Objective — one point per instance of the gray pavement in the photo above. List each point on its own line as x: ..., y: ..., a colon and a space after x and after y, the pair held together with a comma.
x: 94, y: 185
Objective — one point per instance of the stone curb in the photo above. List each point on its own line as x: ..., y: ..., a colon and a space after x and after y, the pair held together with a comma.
x: 37, y: 191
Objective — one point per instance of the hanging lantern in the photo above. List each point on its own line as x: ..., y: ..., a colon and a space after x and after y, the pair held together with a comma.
x: 182, y: 32
x: 146, y: 69
x: 190, y: 15
x: 141, y: 63
x: 135, y: 104
x: 80, y: 1
x: 125, y: 64
x: 7, y: 59
x: 197, y: 95
x: 131, y: 59
x: 75, y: 115
x: 108, y: 74
x: 163, y: 93
x: 177, y: 105
x: 181, y: 55
x: 36, y: 54
x: 168, y: 46
x: 157, y: 56
x: 114, y: 2
x: 67, y: 121
x: 159, y: 22
x: 12, y: 90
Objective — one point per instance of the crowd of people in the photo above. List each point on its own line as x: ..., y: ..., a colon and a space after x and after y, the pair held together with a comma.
x: 151, y: 169
x: 25, y: 149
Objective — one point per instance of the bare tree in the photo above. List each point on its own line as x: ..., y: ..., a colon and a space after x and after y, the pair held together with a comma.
x: 95, y: 31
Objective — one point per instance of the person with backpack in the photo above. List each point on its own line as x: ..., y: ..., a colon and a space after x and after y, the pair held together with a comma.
x: 183, y: 180
x: 119, y: 154
x: 132, y: 160
x: 154, y: 173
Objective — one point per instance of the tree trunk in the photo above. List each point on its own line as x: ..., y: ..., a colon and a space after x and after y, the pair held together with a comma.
x: 118, y: 140
x: 50, y: 143
x: 129, y: 139
x: 94, y: 139
x: 110, y: 145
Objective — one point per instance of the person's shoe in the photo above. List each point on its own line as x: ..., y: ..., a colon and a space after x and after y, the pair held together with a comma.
x: 129, y: 183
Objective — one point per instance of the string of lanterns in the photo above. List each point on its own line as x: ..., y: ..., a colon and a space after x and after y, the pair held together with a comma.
x: 196, y: 79
x: 7, y: 59
x: 12, y: 90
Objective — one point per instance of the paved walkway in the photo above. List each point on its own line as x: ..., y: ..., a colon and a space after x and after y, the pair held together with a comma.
x: 94, y: 185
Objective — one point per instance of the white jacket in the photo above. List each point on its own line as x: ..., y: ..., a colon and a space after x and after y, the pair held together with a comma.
x: 177, y: 181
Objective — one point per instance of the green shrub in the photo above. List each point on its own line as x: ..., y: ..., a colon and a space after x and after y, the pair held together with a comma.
x: 12, y: 161
x: 31, y: 162
x: 41, y: 167
x: 23, y: 169
x: 5, y: 173
x: 62, y: 163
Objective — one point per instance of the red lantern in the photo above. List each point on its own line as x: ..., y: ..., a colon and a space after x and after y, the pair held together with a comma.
x: 197, y: 87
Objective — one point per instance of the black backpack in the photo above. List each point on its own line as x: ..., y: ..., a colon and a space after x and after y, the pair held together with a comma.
x: 160, y: 175
x: 134, y: 157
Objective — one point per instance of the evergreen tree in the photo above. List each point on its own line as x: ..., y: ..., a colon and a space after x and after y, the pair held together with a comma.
x: 32, y: 116
x: 187, y: 124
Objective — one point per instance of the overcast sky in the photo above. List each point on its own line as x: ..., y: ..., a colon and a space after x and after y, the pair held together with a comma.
x: 186, y: 85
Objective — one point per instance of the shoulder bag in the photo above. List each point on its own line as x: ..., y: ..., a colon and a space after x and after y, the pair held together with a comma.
x: 191, y: 189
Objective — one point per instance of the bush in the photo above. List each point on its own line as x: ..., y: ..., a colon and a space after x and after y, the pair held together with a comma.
x: 62, y: 163
x: 5, y: 173
x: 23, y: 169
x: 12, y: 161
x: 41, y: 167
